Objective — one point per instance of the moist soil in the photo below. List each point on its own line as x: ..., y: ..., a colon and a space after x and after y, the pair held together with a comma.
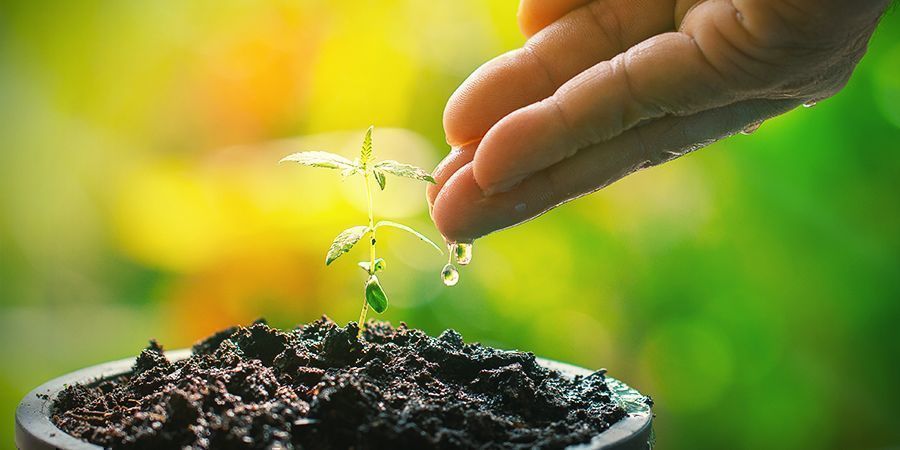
x: 318, y: 386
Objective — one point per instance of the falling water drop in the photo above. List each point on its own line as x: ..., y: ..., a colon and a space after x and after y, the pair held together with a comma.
x: 449, y: 275
x: 750, y: 129
x: 463, y: 251
x: 810, y: 103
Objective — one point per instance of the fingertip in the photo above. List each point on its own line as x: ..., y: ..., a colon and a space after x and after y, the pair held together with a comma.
x: 432, y: 190
x: 525, y: 18
x: 466, y: 115
x: 524, y: 142
x: 455, y: 207
x: 492, y: 161
x: 458, y: 157
x: 495, y: 89
x: 535, y: 15
x: 431, y: 193
x: 454, y: 125
x: 463, y: 212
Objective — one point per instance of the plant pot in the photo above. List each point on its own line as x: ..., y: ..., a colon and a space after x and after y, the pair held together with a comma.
x: 35, y: 431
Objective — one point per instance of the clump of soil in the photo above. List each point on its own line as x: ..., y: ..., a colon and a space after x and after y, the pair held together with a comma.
x: 318, y: 386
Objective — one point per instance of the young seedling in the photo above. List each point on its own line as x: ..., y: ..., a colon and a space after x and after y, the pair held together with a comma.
x: 366, y: 166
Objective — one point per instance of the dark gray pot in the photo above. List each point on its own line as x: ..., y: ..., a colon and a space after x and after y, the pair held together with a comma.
x: 35, y: 431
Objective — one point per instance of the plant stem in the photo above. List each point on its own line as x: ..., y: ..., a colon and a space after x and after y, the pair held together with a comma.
x: 365, y: 308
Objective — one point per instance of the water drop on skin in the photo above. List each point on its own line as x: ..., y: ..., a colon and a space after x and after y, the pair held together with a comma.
x: 751, y: 128
x: 463, y: 252
x: 449, y: 275
x: 810, y: 103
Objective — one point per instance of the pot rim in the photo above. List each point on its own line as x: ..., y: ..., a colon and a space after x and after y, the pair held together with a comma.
x: 35, y: 430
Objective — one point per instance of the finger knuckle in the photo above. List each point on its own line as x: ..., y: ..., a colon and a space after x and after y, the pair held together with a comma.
x: 797, y: 43
x: 740, y: 63
x: 760, y: 48
x: 607, y: 21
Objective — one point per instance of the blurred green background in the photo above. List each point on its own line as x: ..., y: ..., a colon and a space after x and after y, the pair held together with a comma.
x: 753, y: 288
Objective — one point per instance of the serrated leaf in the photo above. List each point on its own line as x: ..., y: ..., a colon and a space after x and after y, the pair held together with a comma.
x: 400, y: 226
x: 380, y: 178
x: 321, y: 159
x: 375, y: 296
x: 379, y: 265
x: 404, y: 170
x: 357, y: 168
x: 344, y: 242
x: 365, y: 155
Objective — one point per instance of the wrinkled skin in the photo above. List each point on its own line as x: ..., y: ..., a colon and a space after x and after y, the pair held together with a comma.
x: 603, y: 88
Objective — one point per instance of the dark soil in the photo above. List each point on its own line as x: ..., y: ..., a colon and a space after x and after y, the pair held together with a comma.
x: 319, y: 387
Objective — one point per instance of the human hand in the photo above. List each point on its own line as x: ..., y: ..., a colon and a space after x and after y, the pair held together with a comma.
x: 604, y: 88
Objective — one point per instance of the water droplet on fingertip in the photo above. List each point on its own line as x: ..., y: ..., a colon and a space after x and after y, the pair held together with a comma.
x: 463, y: 251
x: 450, y: 276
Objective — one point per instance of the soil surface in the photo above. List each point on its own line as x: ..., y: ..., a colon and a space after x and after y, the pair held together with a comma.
x: 317, y: 386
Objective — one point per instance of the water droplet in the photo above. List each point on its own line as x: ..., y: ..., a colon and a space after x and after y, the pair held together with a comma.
x: 751, y: 128
x: 449, y: 275
x: 810, y: 103
x: 463, y: 251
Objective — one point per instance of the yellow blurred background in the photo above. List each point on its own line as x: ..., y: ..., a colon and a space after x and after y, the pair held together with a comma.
x: 752, y: 288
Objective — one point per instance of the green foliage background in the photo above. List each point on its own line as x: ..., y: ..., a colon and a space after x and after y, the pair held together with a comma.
x: 752, y: 288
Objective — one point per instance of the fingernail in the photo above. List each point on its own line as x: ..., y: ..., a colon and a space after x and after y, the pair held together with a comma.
x: 449, y: 157
x: 503, y: 186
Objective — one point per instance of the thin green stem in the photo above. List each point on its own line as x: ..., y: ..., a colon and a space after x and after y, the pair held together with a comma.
x: 365, y: 308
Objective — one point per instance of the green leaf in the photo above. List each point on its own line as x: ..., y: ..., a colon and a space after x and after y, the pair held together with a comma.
x: 375, y: 296
x: 365, y: 155
x: 379, y: 265
x: 321, y: 159
x: 404, y: 170
x: 388, y: 223
x: 379, y: 177
x: 344, y: 242
x: 357, y: 168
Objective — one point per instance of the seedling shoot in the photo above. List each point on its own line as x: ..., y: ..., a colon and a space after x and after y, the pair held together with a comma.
x: 370, y: 170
